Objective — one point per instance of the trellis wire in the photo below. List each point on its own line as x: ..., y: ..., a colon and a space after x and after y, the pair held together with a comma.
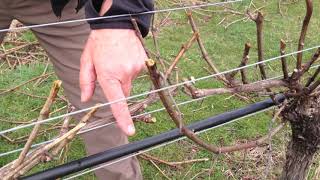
x: 143, y: 114
x: 161, y: 145
x: 157, y: 90
x: 121, y: 15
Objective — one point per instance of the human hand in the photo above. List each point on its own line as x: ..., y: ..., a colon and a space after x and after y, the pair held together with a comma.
x: 113, y: 57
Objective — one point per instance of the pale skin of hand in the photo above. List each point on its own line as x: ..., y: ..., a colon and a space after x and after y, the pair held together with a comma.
x: 114, y: 58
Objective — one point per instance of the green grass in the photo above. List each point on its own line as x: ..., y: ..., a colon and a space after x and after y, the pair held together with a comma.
x: 225, y: 46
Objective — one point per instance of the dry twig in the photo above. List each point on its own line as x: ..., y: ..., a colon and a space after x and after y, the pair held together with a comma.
x: 203, y: 50
x: 22, y: 84
x: 44, y: 114
x: 42, y: 153
x: 183, y: 50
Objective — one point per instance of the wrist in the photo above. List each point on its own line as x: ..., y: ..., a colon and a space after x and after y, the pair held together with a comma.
x: 113, y: 36
x: 113, y: 32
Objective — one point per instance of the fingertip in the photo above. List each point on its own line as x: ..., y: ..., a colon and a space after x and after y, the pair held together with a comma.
x: 128, y: 128
x: 131, y: 130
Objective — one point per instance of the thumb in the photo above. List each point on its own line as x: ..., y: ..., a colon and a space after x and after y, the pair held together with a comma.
x: 87, y: 75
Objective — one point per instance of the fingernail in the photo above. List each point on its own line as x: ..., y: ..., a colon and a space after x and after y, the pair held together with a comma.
x: 131, y: 130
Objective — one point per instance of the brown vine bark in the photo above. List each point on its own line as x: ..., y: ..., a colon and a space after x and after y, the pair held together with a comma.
x: 284, y: 60
x: 44, y: 114
x: 306, y: 21
x: 243, y: 62
x: 304, y: 117
x: 203, y: 50
x: 183, y: 50
x: 245, y: 88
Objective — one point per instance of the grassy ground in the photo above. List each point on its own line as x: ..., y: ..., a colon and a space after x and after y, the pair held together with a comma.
x: 225, y: 46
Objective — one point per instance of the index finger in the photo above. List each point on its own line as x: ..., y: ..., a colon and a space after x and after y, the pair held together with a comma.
x: 113, y: 92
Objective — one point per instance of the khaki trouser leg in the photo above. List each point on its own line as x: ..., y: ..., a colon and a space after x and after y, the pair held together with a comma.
x: 5, y: 20
x: 64, y: 44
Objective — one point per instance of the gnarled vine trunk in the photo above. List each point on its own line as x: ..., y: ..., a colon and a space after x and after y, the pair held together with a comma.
x: 304, y: 117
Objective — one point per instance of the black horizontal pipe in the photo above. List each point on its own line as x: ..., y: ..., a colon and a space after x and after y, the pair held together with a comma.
x: 124, y: 150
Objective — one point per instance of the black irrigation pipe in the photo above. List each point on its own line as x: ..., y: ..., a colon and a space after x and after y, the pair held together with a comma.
x: 124, y: 150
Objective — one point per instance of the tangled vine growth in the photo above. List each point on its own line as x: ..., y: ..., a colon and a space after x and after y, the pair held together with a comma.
x: 301, y: 108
